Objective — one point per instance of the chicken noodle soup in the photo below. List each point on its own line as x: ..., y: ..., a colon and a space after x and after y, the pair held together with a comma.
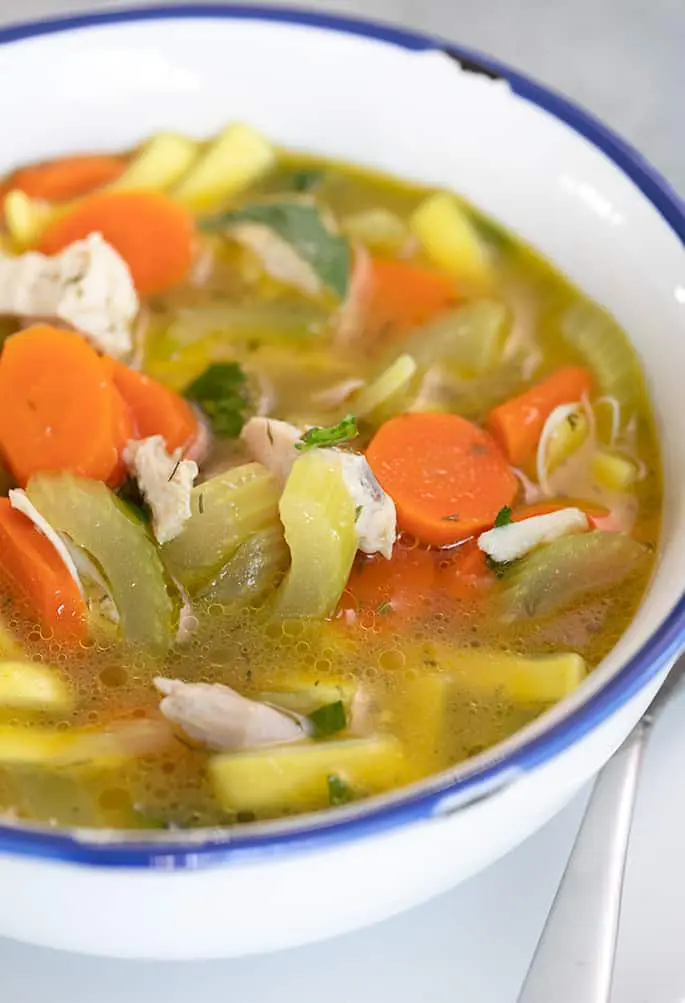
x: 314, y: 482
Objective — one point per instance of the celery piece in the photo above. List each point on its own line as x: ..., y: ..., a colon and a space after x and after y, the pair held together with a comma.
x: 565, y: 570
x: 94, y: 519
x: 450, y: 240
x: 525, y: 679
x: 226, y: 510
x: 318, y: 515
x: 470, y: 337
x: 305, y: 701
x: 295, y: 777
x: 255, y: 568
x: 159, y: 164
x: 617, y: 473
x: 379, y: 229
x: 26, y: 218
x: 233, y: 161
x: 32, y: 686
x: 377, y: 400
x: 615, y: 364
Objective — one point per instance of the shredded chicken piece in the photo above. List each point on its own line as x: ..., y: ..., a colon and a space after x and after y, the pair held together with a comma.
x: 272, y: 443
x: 165, y: 481
x: 508, y: 543
x: 88, y: 287
x: 216, y: 716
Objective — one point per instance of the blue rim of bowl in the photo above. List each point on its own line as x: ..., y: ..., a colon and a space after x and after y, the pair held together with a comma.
x: 656, y: 653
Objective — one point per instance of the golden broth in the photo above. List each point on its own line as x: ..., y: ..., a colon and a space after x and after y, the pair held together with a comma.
x: 229, y: 310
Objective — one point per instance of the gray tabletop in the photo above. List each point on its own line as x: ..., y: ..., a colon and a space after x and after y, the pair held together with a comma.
x: 623, y: 59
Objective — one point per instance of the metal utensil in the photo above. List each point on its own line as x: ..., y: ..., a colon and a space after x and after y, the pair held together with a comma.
x: 574, y: 958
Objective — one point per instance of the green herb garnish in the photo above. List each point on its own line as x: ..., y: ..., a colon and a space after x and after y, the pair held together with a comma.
x: 129, y: 494
x: 384, y: 607
x: 503, y: 517
x: 300, y: 225
x: 329, y: 719
x: 306, y: 180
x: 221, y: 392
x: 500, y: 568
x: 339, y: 792
x: 358, y: 511
x: 334, y: 435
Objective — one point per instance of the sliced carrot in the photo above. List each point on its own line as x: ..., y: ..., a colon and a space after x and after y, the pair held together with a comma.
x: 447, y: 477
x: 403, y: 295
x: 464, y: 572
x: 380, y: 591
x: 67, y: 177
x: 152, y: 233
x: 57, y: 406
x: 36, y: 579
x: 124, y: 429
x: 517, y: 423
x: 155, y: 409
x: 598, y: 515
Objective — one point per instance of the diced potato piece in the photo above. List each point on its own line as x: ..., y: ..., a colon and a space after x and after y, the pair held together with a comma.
x: 231, y: 163
x: 102, y: 747
x: 26, y: 218
x: 567, y: 437
x: 379, y: 229
x: 296, y: 776
x: 159, y: 164
x: 420, y: 716
x: 318, y: 515
x: 617, y: 473
x: 376, y: 399
x: 450, y: 240
x: 27, y: 684
x: 542, y: 679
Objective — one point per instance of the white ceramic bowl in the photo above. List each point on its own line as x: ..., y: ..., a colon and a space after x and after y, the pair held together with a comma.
x: 553, y: 174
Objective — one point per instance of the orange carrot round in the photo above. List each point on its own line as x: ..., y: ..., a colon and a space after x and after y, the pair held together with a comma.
x: 57, y: 406
x: 67, y: 177
x: 517, y: 423
x: 385, y: 590
x: 123, y: 430
x: 447, y: 477
x: 154, y: 235
x: 154, y: 408
x: 34, y: 576
x: 403, y: 295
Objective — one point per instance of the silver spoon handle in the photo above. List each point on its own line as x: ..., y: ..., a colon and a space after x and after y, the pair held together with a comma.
x: 574, y: 959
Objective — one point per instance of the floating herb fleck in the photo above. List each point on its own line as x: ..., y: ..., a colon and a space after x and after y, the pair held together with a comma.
x: 503, y: 517
x: 306, y: 180
x: 221, y: 392
x: 384, y: 608
x: 329, y: 719
x: 339, y: 792
x: 302, y: 227
x: 334, y: 435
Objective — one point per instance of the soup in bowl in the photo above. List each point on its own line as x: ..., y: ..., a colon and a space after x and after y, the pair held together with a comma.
x: 324, y: 490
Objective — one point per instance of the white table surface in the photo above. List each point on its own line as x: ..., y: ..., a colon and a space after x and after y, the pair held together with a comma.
x: 624, y: 59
